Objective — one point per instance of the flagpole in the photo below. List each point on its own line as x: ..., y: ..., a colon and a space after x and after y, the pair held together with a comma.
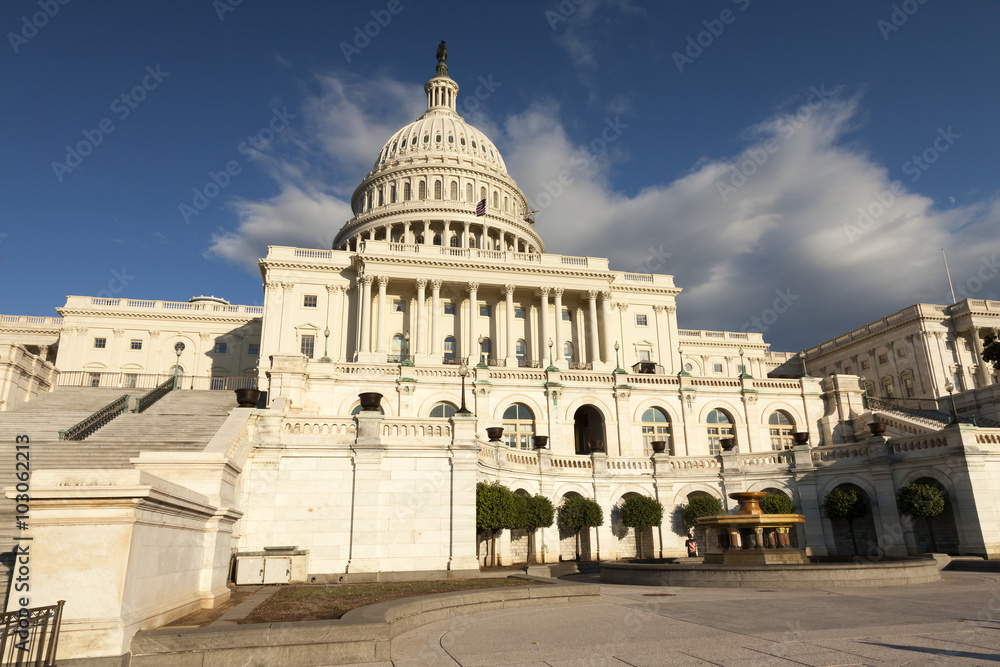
x: 950, y: 285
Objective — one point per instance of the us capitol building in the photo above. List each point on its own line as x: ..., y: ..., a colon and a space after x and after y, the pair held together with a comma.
x: 437, y: 295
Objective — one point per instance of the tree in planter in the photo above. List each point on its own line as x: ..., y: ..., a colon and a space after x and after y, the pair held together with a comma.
x: 991, y: 350
x: 535, y: 512
x: 495, y: 510
x: 925, y: 501
x: 699, y: 506
x: 577, y: 513
x: 846, y: 503
x: 641, y: 512
x: 777, y: 503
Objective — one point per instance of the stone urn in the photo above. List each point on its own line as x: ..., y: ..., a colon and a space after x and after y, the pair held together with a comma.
x: 540, y: 441
x: 494, y: 433
x: 247, y: 397
x: 801, y: 438
x: 371, y: 401
x: 877, y: 428
x: 659, y: 446
x: 597, y: 447
x: 727, y: 444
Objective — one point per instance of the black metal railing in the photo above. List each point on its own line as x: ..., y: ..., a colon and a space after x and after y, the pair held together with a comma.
x: 79, y: 431
x: 580, y: 366
x: 30, y: 636
x: 153, y: 396
x: 984, y: 422
x: 527, y: 363
x: 934, y: 414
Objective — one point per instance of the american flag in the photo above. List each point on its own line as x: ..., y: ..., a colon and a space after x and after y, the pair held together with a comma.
x: 481, y: 208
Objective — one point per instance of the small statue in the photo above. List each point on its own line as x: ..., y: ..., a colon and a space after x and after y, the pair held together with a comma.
x: 442, y: 53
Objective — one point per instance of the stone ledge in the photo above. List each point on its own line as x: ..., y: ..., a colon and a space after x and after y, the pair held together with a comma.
x: 362, y: 635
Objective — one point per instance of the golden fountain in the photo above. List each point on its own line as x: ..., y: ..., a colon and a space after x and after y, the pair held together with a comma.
x: 751, y: 537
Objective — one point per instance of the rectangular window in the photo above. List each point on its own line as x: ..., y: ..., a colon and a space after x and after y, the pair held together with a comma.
x: 948, y: 345
x: 908, y: 387
x: 717, y: 368
x: 519, y: 313
x: 308, y: 346
x: 485, y: 311
x: 864, y: 365
x: 220, y: 348
x: 847, y: 370
x: 449, y: 309
x: 135, y: 345
x: 883, y: 359
x: 566, y: 317
x: 100, y: 343
x: 643, y: 355
x: 309, y: 301
x: 253, y: 348
x: 968, y: 347
x: 398, y: 306
x: 640, y: 320
x: 901, y: 352
x: 95, y: 379
x: 131, y: 380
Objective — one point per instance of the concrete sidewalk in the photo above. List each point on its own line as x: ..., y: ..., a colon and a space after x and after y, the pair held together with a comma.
x: 952, y: 622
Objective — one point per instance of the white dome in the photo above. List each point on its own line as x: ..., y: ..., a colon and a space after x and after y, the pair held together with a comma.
x: 439, y: 131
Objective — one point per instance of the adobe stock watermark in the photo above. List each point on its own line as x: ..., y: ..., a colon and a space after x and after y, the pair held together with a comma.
x: 580, y: 159
x: 713, y: 30
x: 901, y: 13
x: 220, y: 180
x: 122, y: 107
x: 119, y: 281
x: 656, y: 258
x: 562, y: 12
x: 757, y: 156
x: 989, y: 268
x: 31, y: 25
x: 372, y: 29
x: 223, y: 7
x: 868, y: 216
x: 782, y: 303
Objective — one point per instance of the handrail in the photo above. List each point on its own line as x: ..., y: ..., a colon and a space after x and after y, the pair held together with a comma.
x: 31, y: 636
x: 81, y: 430
x: 875, y: 404
x: 153, y: 396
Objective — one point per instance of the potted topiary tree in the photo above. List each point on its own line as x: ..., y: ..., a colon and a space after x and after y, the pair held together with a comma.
x: 641, y: 512
x: 699, y: 506
x: 495, y: 510
x: 846, y: 503
x: 923, y: 501
x: 537, y: 512
x: 777, y: 503
x: 577, y: 513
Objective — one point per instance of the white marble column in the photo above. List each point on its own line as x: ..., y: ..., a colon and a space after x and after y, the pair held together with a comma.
x: 465, y: 235
x: 406, y: 232
x: 286, y: 304
x: 473, y: 322
x: 543, y: 321
x: 595, y: 348
x: 420, y: 315
x: 366, y: 313
x: 383, y: 314
x: 608, y: 333
x: 508, y: 291
x: 435, y: 317
x: 557, y: 293
x: 982, y: 367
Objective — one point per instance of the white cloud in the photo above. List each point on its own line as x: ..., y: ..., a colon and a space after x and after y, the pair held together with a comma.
x: 788, y: 228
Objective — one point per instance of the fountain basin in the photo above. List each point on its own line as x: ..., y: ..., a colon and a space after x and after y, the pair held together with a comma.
x: 751, y: 537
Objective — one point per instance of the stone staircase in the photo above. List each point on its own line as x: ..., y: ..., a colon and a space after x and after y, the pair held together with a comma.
x: 180, y: 421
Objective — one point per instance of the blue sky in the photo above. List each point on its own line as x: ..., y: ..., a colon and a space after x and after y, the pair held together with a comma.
x: 805, y: 158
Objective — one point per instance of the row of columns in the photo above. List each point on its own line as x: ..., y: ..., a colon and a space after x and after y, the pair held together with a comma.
x: 550, y: 323
x: 484, y: 236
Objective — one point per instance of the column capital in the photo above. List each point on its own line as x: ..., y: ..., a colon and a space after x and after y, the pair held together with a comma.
x: 367, y: 280
x: 557, y: 292
x: 508, y: 289
x: 421, y: 282
x: 118, y: 332
x: 154, y: 334
x: 383, y: 281
x: 473, y: 287
x: 204, y: 335
x: 436, y: 284
x: 606, y: 295
x: 333, y: 289
x: 592, y: 294
x: 544, y: 291
x: 622, y: 306
x: 272, y: 285
x: 288, y: 286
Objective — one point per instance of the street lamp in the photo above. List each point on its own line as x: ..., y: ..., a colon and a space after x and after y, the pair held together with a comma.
x: 949, y: 387
x: 463, y: 370
x: 618, y: 366
x: 743, y: 368
x: 552, y: 364
x: 406, y: 350
x: 178, y: 348
x: 802, y: 356
x: 482, y: 361
x: 326, y: 346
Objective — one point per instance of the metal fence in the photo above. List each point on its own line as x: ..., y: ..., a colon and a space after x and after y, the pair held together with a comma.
x: 30, y: 637
x: 91, y: 424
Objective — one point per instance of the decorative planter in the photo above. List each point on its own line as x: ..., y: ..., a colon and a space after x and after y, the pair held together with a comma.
x: 494, y: 433
x: 801, y: 438
x: 247, y: 397
x: 877, y: 428
x: 540, y: 441
x: 597, y: 447
x: 727, y: 444
x: 371, y: 401
x: 659, y: 446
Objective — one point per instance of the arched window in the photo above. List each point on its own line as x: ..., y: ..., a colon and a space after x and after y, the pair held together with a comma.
x: 437, y: 239
x: 486, y: 350
x: 505, y: 205
x: 472, y: 241
x: 449, y: 349
x: 392, y: 194
x: 568, y: 352
x: 518, y: 426
x: 455, y: 241
x: 468, y: 192
x: 781, y: 427
x: 482, y: 194
x: 443, y: 410
x: 655, y: 426
x: 381, y: 196
x: 398, y: 344
x: 454, y: 190
x: 422, y: 190
x: 889, y: 388
x: 437, y: 189
x: 406, y: 192
x: 496, y: 200
x: 521, y: 350
x: 719, y: 426
x: 357, y: 408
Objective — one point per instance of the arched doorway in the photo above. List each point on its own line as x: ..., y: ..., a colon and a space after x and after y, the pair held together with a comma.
x: 943, y: 525
x: 588, y: 430
x: 625, y: 536
x: 567, y: 538
x: 864, y: 528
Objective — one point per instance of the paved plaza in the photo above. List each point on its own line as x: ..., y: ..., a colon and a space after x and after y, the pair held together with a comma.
x: 952, y: 622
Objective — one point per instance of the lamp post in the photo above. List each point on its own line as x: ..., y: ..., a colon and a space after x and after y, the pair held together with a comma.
x: 802, y: 356
x: 743, y: 368
x: 463, y: 370
x: 406, y: 350
x: 949, y: 387
x: 482, y: 361
x: 326, y: 346
x: 552, y: 364
x: 178, y: 348
x: 618, y: 367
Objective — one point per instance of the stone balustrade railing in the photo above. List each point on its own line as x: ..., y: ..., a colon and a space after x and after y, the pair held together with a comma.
x: 150, y: 305
x: 769, y: 459
x: 694, y: 462
x: 831, y: 453
x: 404, y: 427
x: 633, y: 466
x: 343, y: 427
